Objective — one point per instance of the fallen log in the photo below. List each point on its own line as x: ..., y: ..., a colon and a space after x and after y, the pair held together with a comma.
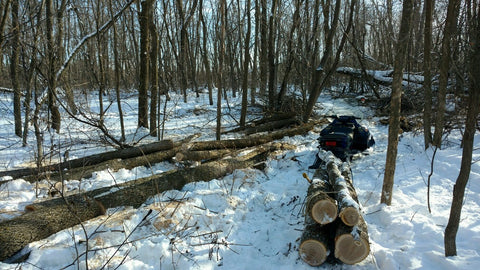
x: 93, y: 159
x: 112, y: 165
x: 270, y: 126
x: 152, y: 153
x: 348, y: 207
x: 351, y: 243
x: 279, y: 116
x: 201, y: 155
x: 250, y: 140
x: 320, y: 206
x: 16, y: 233
x: 314, y: 243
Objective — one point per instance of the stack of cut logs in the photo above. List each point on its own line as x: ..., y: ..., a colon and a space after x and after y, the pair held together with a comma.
x: 333, y: 220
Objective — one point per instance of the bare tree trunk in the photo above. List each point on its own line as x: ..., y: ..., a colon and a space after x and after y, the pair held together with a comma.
x: 55, y: 119
x: 254, y: 84
x: 223, y: 19
x: 452, y: 11
x: 144, y: 75
x: 14, y: 63
x: 427, y: 65
x: 243, y: 114
x: 117, y: 68
x: 263, y: 47
x: 3, y: 20
x: 272, y: 69
x: 206, y: 62
x: 468, y: 140
x: 395, y: 103
x: 154, y: 73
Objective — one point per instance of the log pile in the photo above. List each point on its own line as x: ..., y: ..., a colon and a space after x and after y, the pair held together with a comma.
x: 45, y: 218
x: 327, y: 235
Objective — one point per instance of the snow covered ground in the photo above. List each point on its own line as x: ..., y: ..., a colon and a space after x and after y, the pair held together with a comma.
x: 250, y: 219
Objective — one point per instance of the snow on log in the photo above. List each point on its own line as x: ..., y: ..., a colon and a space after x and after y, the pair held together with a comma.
x: 351, y: 243
x: 147, y: 154
x: 94, y: 159
x: 16, y: 233
x: 319, y: 205
x: 339, y: 175
x: 250, y: 141
x: 383, y: 77
x: 348, y: 208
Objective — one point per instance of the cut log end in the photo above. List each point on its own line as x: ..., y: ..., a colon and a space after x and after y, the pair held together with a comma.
x: 324, y: 212
x: 350, y: 216
x: 313, y: 252
x: 350, y: 250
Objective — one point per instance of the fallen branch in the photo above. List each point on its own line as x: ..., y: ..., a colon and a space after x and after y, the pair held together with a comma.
x: 46, y: 218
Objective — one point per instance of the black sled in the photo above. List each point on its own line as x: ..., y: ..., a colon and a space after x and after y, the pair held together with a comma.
x: 344, y: 137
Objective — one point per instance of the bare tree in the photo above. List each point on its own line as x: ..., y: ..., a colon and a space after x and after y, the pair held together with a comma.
x: 290, y: 53
x: 450, y: 23
x: 3, y: 21
x: 427, y: 65
x: 14, y: 63
x: 55, y: 119
x: 395, y: 102
x: 153, y: 73
x: 206, y: 61
x: 144, y: 75
x: 117, y: 68
x: 243, y: 114
x: 468, y: 139
x: 223, y: 19
x: 318, y: 74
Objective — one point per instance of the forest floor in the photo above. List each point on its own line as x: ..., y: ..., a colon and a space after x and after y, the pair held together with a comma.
x: 250, y: 218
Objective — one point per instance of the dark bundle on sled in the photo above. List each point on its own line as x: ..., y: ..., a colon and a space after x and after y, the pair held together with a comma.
x: 344, y: 137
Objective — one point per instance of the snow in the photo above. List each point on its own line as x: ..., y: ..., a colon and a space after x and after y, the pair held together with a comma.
x: 250, y: 218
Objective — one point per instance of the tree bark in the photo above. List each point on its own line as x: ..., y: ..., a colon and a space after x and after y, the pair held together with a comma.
x: 18, y: 232
x: 468, y: 143
x: 144, y: 75
x: 55, y: 119
x: 395, y: 103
